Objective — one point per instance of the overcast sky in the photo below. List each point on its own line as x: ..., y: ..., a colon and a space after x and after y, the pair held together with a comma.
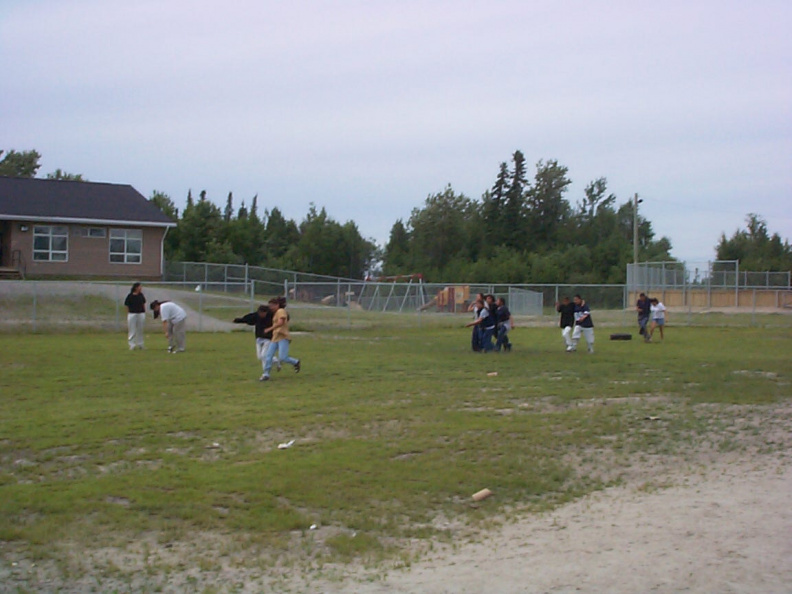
x: 365, y: 108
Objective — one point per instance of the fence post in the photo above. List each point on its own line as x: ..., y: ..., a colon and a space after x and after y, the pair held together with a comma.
x: 35, y: 300
x: 737, y: 284
x: 246, y: 273
x: 200, y: 310
x: 709, y: 284
x: 286, y: 289
x: 625, y: 298
x: 118, y: 313
x: 349, y: 306
x: 206, y: 274
x: 252, y: 294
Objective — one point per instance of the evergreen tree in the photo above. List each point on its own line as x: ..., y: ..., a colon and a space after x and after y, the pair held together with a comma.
x: 200, y: 225
x: 547, y: 208
x: 280, y: 234
x: 229, y: 209
x: 397, y: 250
x: 492, y: 208
x: 755, y: 248
x: 513, y: 216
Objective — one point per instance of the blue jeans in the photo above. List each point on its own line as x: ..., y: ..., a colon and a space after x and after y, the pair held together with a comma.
x: 643, y: 322
x: 475, y: 339
x: 503, y: 338
x: 282, y: 347
x: 486, y: 339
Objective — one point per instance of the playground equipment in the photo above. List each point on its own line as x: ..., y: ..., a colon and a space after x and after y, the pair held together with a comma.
x: 393, y: 293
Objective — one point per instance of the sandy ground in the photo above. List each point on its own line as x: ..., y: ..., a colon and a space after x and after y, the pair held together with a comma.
x: 728, y: 530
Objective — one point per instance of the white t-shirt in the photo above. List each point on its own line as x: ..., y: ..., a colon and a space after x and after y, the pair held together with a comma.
x: 170, y: 312
x: 658, y: 311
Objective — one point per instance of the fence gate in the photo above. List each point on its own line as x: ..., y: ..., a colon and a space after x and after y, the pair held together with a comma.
x: 524, y: 302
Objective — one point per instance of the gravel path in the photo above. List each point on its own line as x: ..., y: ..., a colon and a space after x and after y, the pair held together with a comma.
x: 728, y: 531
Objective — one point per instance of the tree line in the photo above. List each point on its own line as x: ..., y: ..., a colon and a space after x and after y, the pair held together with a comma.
x: 755, y: 248
x: 523, y: 229
x: 318, y: 244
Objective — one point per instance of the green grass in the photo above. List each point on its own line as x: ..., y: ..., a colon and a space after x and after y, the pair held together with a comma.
x: 395, y: 428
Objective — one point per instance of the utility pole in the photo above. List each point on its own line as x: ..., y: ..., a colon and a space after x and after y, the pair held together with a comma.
x: 636, y: 202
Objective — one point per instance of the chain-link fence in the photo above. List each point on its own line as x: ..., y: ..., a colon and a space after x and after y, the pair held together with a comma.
x: 44, y: 306
x: 707, y: 285
x: 214, y: 294
x: 205, y: 272
x: 401, y: 297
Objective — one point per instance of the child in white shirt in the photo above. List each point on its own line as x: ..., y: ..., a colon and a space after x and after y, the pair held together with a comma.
x: 658, y: 312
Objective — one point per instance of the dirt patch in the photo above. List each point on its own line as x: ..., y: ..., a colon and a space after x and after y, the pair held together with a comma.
x: 709, y: 508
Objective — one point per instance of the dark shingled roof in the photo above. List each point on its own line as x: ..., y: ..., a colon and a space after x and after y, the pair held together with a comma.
x: 34, y: 199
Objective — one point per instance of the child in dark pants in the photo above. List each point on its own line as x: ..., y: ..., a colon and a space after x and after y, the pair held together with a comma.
x: 504, y: 324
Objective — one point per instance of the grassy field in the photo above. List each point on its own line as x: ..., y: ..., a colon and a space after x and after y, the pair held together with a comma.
x: 102, y: 449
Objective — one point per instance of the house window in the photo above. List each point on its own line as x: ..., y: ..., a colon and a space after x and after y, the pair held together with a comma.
x: 50, y: 243
x: 126, y: 246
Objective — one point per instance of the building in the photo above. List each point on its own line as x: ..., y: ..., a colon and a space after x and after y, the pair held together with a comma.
x: 79, y: 229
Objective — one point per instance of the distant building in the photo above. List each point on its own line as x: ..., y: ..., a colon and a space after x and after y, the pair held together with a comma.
x: 79, y: 229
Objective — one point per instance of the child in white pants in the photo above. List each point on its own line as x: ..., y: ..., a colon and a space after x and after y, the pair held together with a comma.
x: 588, y: 333
x: 583, y: 325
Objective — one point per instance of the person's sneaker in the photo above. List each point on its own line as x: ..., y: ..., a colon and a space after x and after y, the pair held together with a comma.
x: 279, y: 367
x: 297, y: 367
x: 591, y: 350
x: 570, y: 349
x: 170, y: 349
x: 264, y: 378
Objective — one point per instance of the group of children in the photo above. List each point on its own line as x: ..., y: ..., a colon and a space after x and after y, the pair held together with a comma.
x: 650, y: 310
x: 174, y: 320
x: 576, y: 321
x: 271, y: 322
x: 491, y: 325
x: 492, y: 320
x: 272, y: 336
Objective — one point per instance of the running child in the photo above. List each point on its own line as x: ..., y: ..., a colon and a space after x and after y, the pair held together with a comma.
x: 261, y: 319
x: 281, y: 338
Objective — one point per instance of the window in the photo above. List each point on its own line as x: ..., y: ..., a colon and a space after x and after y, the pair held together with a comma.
x: 50, y: 243
x: 92, y: 232
x: 126, y: 246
